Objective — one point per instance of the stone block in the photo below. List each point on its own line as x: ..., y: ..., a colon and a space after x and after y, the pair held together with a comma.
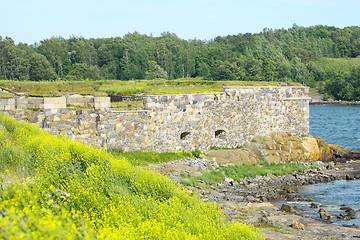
x: 54, y: 102
x: 22, y: 103
x: 9, y: 107
x: 66, y: 116
x: 11, y: 101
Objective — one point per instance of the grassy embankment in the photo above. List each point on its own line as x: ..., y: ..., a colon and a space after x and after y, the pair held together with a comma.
x: 55, y: 188
x: 139, y: 158
x: 126, y: 88
x: 5, y: 95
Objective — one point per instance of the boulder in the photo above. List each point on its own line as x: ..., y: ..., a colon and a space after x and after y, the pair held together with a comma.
x: 234, y: 156
x: 287, y: 208
x: 281, y: 147
x: 311, y: 149
x: 324, y: 214
x: 280, y: 137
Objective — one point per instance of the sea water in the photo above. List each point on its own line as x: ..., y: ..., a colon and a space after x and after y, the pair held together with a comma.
x: 337, y: 125
x: 331, y: 196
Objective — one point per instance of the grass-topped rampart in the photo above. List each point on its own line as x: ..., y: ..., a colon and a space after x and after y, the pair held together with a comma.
x: 127, y: 88
x: 55, y: 188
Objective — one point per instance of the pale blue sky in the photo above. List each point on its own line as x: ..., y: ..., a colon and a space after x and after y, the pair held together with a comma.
x: 30, y: 21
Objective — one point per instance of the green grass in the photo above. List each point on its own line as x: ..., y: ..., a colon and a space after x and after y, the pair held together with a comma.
x: 93, y: 93
x: 128, y: 105
x: 5, y: 95
x: 126, y: 88
x: 245, y: 170
x: 43, y: 94
x: 139, y: 158
x: 338, y: 64
x: 60, y: 86
x: 224, y: 148
x: 178, y: 86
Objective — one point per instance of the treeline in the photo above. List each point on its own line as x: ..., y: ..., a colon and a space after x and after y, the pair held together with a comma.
x: 293, y: 55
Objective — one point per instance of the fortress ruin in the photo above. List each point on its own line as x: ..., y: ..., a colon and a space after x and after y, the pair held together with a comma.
x: 173, y: 122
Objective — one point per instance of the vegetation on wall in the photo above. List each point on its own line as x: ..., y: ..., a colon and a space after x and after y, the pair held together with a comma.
x: 308, y: 55
x: 128, y: 88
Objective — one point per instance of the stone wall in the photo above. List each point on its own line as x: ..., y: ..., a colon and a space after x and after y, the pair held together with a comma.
x: 185, y: 122
x: 7, y: 104
x: 101, y: 103
x: 52, y: 103
x: 55, y: 103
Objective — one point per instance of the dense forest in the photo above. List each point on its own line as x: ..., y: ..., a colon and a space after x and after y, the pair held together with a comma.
x: 320, y: 56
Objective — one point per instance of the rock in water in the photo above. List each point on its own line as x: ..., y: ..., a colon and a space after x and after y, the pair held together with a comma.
x: 324, y: 214
x: 314, y: 205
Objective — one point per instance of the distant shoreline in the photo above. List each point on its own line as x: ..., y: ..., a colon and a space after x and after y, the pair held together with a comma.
x: 335, y: 103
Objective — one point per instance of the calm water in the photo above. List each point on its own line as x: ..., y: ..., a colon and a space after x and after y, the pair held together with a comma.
x: 338, y: 125
x: 338, y: 193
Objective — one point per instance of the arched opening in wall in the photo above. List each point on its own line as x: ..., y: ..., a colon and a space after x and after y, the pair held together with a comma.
x: 220, y: 134
x: 184, y: 135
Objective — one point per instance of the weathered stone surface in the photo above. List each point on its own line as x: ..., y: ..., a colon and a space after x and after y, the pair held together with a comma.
x: 311, y: 148
x: 233, y: 157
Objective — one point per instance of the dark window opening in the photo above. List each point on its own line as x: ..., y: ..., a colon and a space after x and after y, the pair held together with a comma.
x: 184, y: 135
x: 220, y: 134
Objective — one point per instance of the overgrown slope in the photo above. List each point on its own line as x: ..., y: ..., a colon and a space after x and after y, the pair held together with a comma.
x: 55, y: 188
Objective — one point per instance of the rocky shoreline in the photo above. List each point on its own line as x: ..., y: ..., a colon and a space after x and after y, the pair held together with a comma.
x: 272, y: 188
x: 250, y: 201
x: 333, y: 102
x: 255, y: 200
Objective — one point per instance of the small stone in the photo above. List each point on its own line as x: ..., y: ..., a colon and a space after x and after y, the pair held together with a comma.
x: 264, y: 214
x: 290, y: 190
x: 250, y: 198
x: 344, y: 207
x: 314, y: 205
x: 309, y: 199
x: 297, y: 225
x: 348, y: 177
x: 351, y: 213
x: 229, y: 180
